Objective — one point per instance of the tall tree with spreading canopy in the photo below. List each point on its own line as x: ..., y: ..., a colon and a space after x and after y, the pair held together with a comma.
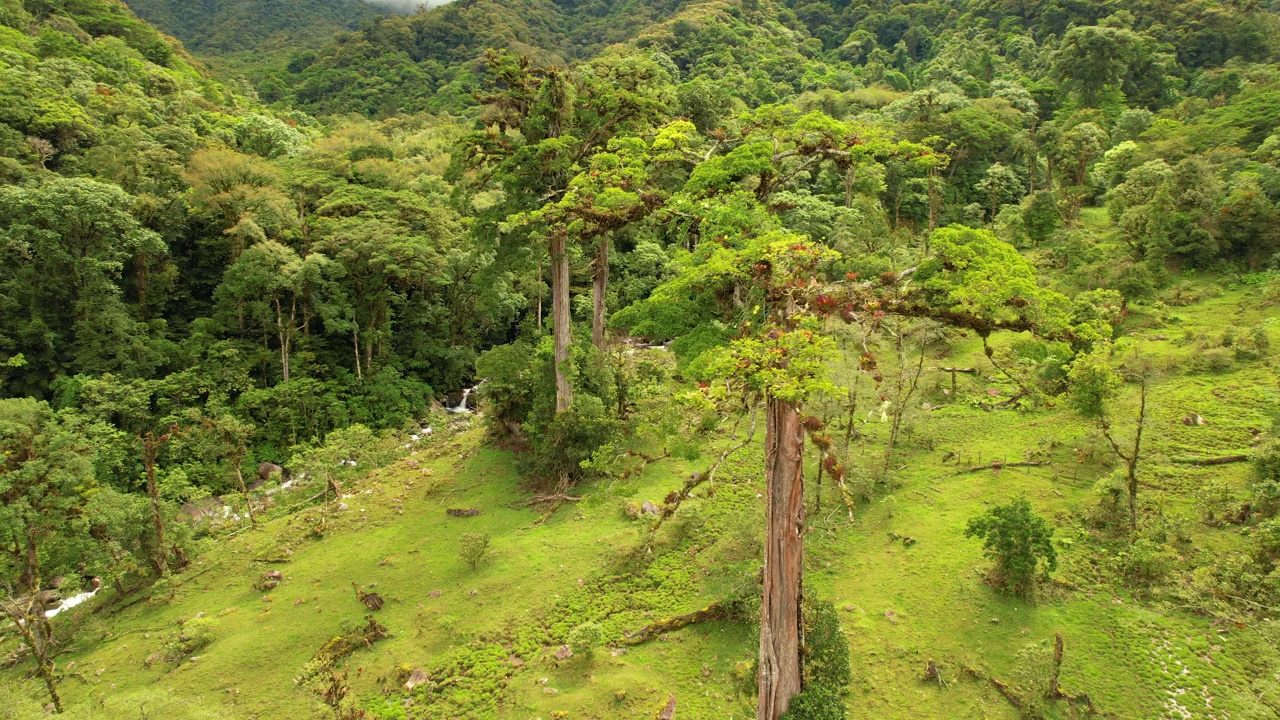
x: 539, y: 127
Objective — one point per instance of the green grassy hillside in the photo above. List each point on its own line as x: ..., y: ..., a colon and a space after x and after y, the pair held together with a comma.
x: 486, y: 636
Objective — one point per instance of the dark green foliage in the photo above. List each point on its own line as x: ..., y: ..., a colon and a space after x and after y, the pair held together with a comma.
x: 826, y: 653
x: 1134, y: 282
x: 816, y: 702
x: 244, y: 26
x: 1266, y: 478
x: 509, y: 387
x: 520, y: 385
x: 690, y: 346
x: 1019, y: 542
x: 562, y: 442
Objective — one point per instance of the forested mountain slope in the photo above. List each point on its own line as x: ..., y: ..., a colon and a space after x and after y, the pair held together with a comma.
x: 807, y: 360
x: 252, y: 28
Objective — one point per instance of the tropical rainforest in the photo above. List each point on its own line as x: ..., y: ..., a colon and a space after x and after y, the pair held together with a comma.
x: 800, y: 359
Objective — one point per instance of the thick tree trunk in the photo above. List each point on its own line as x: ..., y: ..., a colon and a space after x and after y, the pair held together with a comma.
x: 560, y: 318
x: 599, y: 285
x: 780, y: 634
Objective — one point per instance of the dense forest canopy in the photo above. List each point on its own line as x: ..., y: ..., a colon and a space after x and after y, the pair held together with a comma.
x: 293, y: 267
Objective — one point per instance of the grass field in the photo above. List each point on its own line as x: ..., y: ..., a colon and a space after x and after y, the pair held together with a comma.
x: 486, y: 635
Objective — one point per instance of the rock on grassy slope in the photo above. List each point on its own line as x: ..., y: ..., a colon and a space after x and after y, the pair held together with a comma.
x: 485, y: 637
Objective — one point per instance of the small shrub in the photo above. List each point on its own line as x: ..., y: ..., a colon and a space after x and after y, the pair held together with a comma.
x: 1214, y: 500
x: 191, y: 637
x: 1033, y: 672
x: 585, y: 638
x: 1212, y: 360
x: 1146, y: 562
x: 1134, y: 281
x: 1111, y: 512
x: 817, y: 702
x: 1265, y: 539
x: 1019, y: 541
x: 473, y: 549
x: 1266, y: 478
x: 745, y: 677
x: 826, y: 660
x: 1260, y: 340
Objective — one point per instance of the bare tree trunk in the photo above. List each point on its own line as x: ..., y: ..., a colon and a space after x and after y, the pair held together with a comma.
x: 599, y: 284
x: 244, y: 492
x: 284, y: 341
x: 560, y: 318
x: 1133, y: 459
x: 780, y: 634
x: 355, y: 340
x: 904, y: 389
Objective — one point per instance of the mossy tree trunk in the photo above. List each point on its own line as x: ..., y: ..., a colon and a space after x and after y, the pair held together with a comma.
x: 560, y: 317
x: 150, y: 449
x: 599, y: 286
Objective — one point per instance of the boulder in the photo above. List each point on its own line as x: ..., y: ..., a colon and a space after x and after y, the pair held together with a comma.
x: 265, y: 471
x: 564, y: 652
x: 416, y: 678
x: 649, y: 508
x: 203, y: 508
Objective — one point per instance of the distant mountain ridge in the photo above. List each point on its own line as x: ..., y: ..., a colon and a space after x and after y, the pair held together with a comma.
x: 231, y: 27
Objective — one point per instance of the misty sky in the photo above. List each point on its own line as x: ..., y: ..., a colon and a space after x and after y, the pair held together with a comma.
x: 406, y: 6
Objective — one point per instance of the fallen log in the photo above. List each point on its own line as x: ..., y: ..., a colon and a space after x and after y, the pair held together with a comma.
x: 1055, y: 687
x: 712, y: 612
x: 932, y: 672
x: 556, y: 498
x: 1008, y: 694
x: 1224, y: 460
x: 1000, y: 465
x: 1000, y: 687
x: 668, y: 711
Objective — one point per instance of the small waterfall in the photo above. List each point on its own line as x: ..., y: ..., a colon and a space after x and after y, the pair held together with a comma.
x: 71, y: 602
x: 462, y: 404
